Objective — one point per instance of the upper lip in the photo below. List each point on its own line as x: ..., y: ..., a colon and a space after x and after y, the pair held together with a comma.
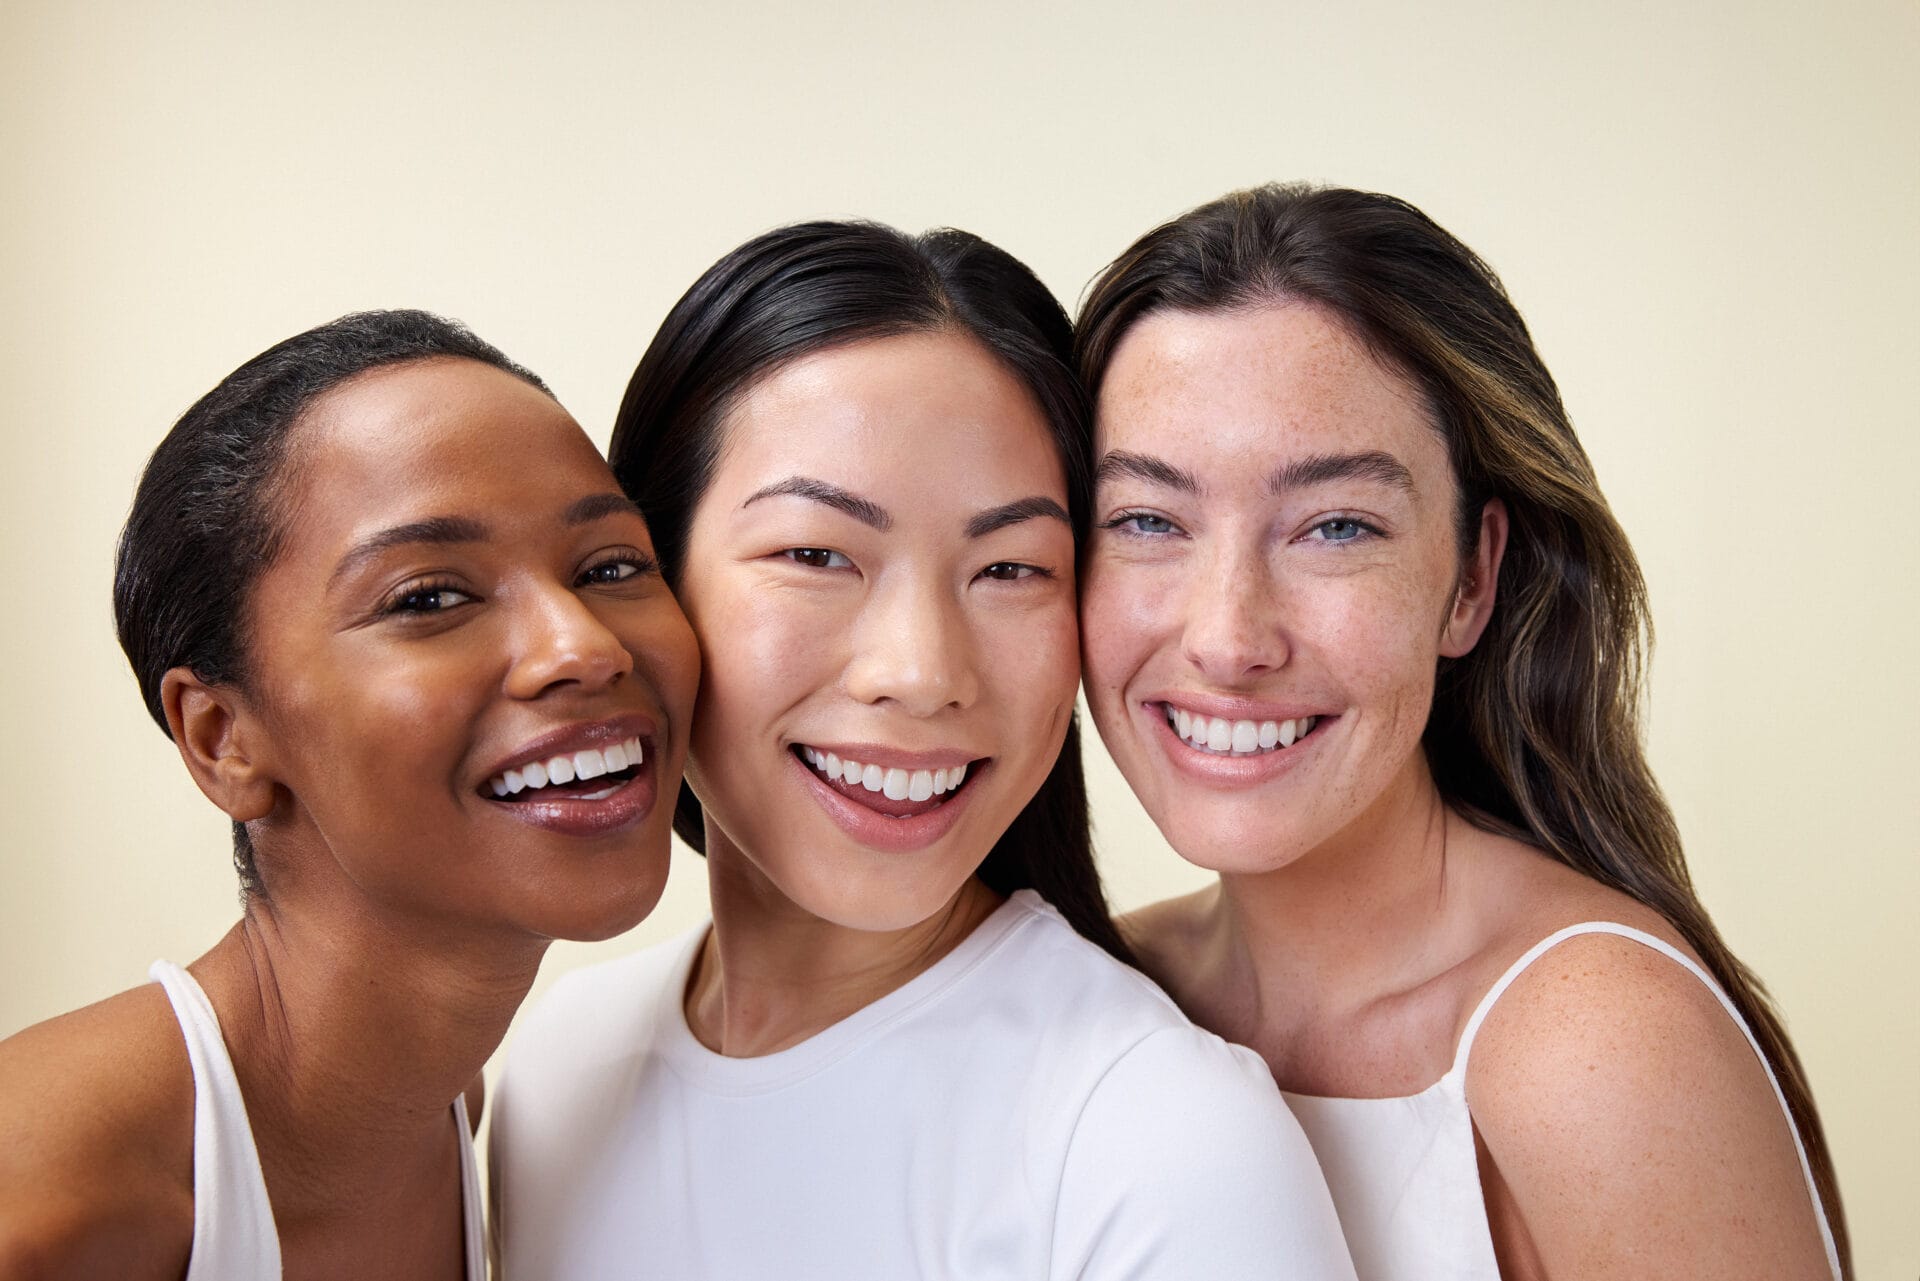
x: 897, y: 757
x: 575, y: 738
x: 1231, y: 707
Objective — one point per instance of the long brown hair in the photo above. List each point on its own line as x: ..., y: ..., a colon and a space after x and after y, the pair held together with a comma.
x: 1535, y: 733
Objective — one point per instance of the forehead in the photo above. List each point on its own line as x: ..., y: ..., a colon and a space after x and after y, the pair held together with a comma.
x: 1252, y: 385
x: 434, y: 437
x: 932, y: 412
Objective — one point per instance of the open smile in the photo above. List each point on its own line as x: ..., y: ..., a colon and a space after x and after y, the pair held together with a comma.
x: 587, y: 780
x: 1221, y: 737
x: 899, y: 801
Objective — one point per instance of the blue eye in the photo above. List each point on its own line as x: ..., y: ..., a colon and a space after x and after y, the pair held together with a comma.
x: 817, y: 558
x: 1144, y: 523
x: 1342, y: 529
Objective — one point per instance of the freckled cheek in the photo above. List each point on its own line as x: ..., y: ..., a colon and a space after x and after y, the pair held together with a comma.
x: 1122, y: 622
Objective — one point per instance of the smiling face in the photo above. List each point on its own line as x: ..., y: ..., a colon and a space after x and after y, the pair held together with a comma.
x: 1273, y: 578
x: 881, y: 573
x: 471, y: 685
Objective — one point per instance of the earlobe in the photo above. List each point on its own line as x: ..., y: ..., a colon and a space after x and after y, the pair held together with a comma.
x: 219, y: 740
x: 1473, y: 600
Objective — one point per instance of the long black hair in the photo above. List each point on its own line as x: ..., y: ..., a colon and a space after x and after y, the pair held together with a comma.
x: 804, y: 288
x: 209, y: 515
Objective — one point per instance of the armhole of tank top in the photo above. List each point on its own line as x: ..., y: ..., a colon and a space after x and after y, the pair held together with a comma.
x: 1547, y: 944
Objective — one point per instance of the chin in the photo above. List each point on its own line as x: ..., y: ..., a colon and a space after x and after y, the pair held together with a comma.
x: 1231, y: 843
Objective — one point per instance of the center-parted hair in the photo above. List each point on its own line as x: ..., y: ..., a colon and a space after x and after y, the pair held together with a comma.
x: 1535, y: 733
x: 209, y: 515
x: 811, y: 286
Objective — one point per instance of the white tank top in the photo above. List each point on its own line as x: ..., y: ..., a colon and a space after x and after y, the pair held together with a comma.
x: 1403, y: 1172
x: 234, y: 1238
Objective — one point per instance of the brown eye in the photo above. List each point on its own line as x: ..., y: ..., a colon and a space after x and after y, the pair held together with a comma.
x: 817, y: 558
x: 1007, y: 571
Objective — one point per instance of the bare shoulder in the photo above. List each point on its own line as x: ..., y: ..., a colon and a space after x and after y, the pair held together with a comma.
x: 96, y: 1143
x: 1626, y: 1113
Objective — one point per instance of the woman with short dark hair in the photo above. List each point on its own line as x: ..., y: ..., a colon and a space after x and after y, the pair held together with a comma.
x: 390, y: 605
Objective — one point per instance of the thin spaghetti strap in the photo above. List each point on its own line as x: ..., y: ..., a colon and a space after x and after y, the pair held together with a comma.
x: 1672, y: 953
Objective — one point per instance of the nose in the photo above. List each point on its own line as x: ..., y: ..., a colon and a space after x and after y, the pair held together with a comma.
x: 561, y: 643
x: 1233, y: 631
x: 913, y: 646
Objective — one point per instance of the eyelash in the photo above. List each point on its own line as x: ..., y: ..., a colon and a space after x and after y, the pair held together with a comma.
x: 398, y: 603
x: 1021, y: 570
x: 1121, y: 522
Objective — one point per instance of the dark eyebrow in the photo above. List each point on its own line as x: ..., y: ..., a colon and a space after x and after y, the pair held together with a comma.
x: 1315, y: 469
x: 864, y: 510
x: 1155, y: 471
x: 434, y: 529
x: 595, y: 506
x: 1013, y: 513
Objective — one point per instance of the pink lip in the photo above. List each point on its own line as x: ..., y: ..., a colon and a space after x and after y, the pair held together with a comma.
x: 1230, y: 707
x: 876, y: 830
x: 576, y: 738
x: 893, y: 757
x: 1229, y: 771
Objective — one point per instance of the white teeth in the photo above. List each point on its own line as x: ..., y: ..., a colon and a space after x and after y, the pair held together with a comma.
x: 1238, y: 738
x: 895, y: 783
x: 588, y: 763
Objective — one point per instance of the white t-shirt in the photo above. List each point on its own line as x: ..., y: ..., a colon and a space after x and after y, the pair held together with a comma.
x: 1027, y: 1107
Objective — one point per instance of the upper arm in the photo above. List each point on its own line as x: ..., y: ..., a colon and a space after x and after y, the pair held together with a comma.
x: 1186, y: 1163
x: 1633, y: 1127
x: 95, y: 1170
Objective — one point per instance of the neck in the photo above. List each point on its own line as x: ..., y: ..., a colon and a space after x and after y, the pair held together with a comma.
x: 771, y: 974
x: 1365, y: 913
x: 352, y: 1035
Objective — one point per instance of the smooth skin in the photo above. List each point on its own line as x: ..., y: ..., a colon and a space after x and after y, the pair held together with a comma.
x: 405, y: 909
x: 848, y: 591
x: 1275, y: 537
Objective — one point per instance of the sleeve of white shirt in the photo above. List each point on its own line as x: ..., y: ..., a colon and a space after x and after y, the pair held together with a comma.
x: 1186, y: 1163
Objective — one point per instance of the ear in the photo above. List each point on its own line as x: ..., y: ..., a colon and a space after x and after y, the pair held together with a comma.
x: 220, y: 740
x: 1473, y: 598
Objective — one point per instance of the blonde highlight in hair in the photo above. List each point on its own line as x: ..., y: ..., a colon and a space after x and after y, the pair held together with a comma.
x: 1536, y: 732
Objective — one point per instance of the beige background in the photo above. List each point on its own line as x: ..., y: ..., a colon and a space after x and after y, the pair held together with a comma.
x: 1707, y: 212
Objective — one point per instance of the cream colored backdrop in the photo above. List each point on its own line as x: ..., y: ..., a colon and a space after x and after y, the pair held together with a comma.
x: 1708, y: 213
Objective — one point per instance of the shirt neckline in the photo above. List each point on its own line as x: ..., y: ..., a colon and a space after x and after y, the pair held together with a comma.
x: 765, y: 1073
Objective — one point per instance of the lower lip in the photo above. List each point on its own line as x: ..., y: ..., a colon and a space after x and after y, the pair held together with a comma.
x: 629, y: 804
x: 1231, y: 771
x: 879, y: 831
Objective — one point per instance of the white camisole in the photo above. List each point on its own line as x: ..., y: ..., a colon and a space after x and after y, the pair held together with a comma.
x: 234, y: 1238
x: 1403, y: 1172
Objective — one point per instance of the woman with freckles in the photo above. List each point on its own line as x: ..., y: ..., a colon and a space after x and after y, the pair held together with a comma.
x: 908, y: 1044
x: 388, y: 602
x: 1362, y: 634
